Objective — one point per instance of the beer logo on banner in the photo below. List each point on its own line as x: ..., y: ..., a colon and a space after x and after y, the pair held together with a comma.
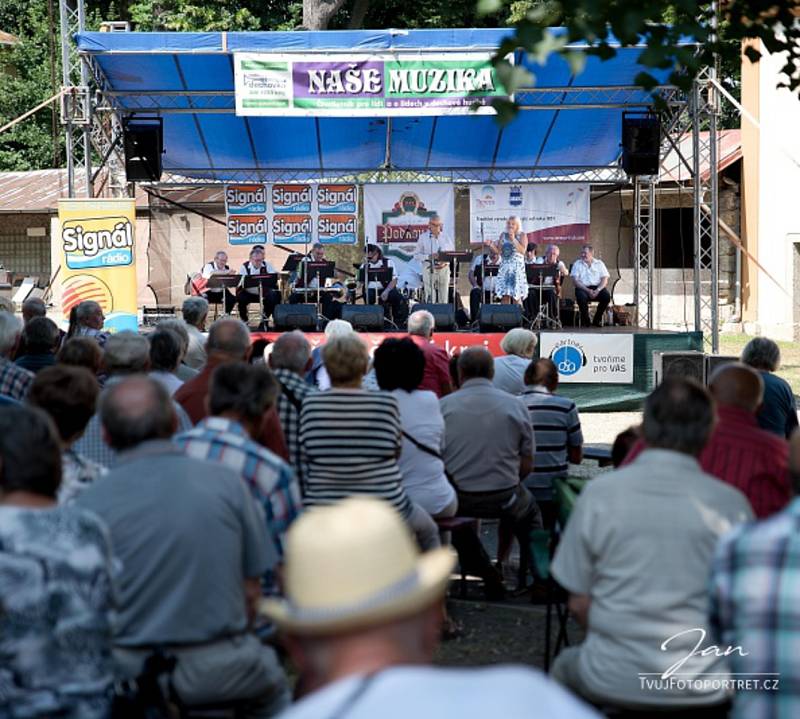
x: 291, y: 199
x: 402, y: 222
x: 247, y: 229
x: 246, y: 199
x: 97, y: 242
x: 337, y: 229
x: 292, y: 228
x: 515, y: 196
x: 337, y: 198
x: 568, y: 357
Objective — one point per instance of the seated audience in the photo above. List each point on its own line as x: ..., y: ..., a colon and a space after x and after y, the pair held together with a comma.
x: 509, y: 370
x: 184, y: 371
x: 436, y: 377
x: 191, y: 547
x: 289, y: 360
x: 14, y: 380
x: 635, y: 557
x: 778, y: 413
x: 87, y: 320
x: 81, y: 352
x: 623, y: 444
x: 41, y: 338
x: 754, y: 599
x: 556, y: 429
x: 126, y: 353
x: 350, y: 439
x: 195, y: 313
x: 33, y: 307
x: 237, y: 399
x: 318, y: 375
x: 362, y: 630
x: 55, y: 583
x: 69, y: 396
x: 228, y: 341
x: 399, y: 368
x: 165, y: 357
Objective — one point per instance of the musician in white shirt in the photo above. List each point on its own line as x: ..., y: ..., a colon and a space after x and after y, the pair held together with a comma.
x: 590, y: 276
x: 330, y: 308
x: 435, y: 275
x: 551, y: 285
x: 388, y: 296
x: 256, y: 265
x: 491, y: 258
x: 218, y: 266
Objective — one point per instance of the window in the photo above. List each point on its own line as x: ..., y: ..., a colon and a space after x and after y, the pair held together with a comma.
x: 25, y: 255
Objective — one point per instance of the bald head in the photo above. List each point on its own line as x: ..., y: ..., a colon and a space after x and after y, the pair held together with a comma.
x: 291, y: 351
x: 737, y: 385
x: 229, y: 338
x: 136, y: 410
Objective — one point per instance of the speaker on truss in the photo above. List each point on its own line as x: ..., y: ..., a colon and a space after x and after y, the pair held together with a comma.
x: 444, y: 316
x: 143, y: 141
x: 364, y: 317
x: 641, y: 143
x: 295, y: 317
x: 499, y: 318
x: 689, y: 364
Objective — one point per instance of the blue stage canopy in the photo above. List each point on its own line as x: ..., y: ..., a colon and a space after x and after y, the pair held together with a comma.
x: 569, y: 124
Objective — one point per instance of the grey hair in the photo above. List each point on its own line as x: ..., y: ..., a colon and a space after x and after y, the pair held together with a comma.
x: 519, y: 342
x: 179, y: 327
x: 421, y: 323
x: 290, y: 351
x: 678, y: 415
x: 762, y: 353
x: 6, y: 305
x: 338, y: 328
x: 194, y: 310
x: 86, y: 310
x: 136, y: 410
x: 10, y: 329
x: 34, y: 307
x: 229, y: 336
x: 126, y: 353
x: 475, y: 362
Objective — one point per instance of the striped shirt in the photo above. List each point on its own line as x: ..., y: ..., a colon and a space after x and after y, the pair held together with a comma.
x: 289, y: 413
x: 556, y: 426
x: 350, y: 441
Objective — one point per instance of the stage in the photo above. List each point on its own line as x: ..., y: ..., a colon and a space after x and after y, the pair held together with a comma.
x: 603, y: 394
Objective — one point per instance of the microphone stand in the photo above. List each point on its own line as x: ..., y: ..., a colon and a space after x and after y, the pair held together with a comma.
x: 366, y: 272
x: 483, y: 268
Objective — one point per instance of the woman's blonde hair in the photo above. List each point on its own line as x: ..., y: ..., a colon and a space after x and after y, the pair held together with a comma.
x: 346, y: 358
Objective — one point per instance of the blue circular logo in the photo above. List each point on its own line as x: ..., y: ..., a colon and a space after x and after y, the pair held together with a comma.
x: 568, y: 360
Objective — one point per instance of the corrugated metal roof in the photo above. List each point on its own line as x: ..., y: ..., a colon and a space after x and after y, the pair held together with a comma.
x: 729, y: 150
x: 6, y: 38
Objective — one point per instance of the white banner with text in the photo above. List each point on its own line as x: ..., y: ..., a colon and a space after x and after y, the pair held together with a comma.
x: 592, y: 358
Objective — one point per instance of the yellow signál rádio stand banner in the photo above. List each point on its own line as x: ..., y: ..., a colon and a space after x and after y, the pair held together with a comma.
x: 98, y: 258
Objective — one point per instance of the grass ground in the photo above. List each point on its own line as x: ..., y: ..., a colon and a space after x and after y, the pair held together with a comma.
x: 733, y: 344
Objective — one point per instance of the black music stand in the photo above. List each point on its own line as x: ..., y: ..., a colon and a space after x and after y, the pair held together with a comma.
x: 455, y: 258
x: 222, y: 283
x: 537, y: 276
x: 320, y: 271
x: 268, y: 281
x: 292, y: 261
x: 366, y: 274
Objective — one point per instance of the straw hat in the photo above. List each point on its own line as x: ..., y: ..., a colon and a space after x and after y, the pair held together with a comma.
x: 353, y: 564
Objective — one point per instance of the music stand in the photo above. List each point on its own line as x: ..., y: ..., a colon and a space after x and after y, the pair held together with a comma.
x: 320, y: 271
x: 537, y: 276
x: 223, y: 283
x: 267, y: 281
x: 380, y: 274
x: 455, y: 258
x: 292, y: 261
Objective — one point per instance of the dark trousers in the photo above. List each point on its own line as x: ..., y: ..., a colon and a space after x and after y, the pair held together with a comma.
x: 329, y: 308
x: 602, y: 299
x: 395, y: 302
x: 215, y: 297
x: 475, y: 301
x: 271, y: 298
x: 549, y: 297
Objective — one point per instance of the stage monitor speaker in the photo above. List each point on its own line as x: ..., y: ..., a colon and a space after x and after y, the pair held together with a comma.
x: 681, y: 364
x: 364, y: 317
x: 295, y: 317
x: 499, y: 318
x: 641, y: 143
x: 444, y: 316
x: 713, y: 362
x: 143, y: 143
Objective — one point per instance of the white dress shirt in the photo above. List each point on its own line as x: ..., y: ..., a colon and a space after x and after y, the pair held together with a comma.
x: 589, y: 274
x: 428, y: 245
x: 488, y: 282
x: 211, y: 268
x: 248, y: 268
x: 379, y: 265
x: 562, y: 270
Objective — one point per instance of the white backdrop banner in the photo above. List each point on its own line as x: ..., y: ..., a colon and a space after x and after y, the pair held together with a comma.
x: 396, y: 215
x: 550, y: 213
x: 606, y: 358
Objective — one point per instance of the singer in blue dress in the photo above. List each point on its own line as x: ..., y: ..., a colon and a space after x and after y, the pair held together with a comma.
x: 511, y: 284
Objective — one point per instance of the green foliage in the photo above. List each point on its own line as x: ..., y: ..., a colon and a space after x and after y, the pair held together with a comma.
x: 214, y: 15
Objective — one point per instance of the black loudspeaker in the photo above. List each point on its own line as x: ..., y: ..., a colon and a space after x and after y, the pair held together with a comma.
x: 641, y: 143
x: 295, y: 317
x: 444, y: 315
x: 364, y: 317
x: 713, y: 362
x: 682, y: 364
x: 144, y: 144
x: 499, y: 318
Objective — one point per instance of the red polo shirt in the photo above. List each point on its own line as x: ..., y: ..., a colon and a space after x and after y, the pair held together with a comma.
x: 437, y: 367
x: 747, y: 457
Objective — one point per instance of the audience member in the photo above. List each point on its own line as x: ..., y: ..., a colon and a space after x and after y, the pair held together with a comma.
x: 436, y: 377
x: 191, y: 546
x: 778, y: 413
x: 33, y: 307
x: 87, y: 321
x: 237, y: 399
x: 69, y: 396
x: 7, y: 305
x: 165, y: 356
x: 184, y: 372
x: 56, y: 588
x: 14, y: 380
x: 228, y: 341
x: 362, y: 619
x: 40, y: 338
x: 126, y: 353
x: 399, y: 367
x: 81, y: 352
x: 635, y: 557
x: 556, y: 431
x: 509, y: 370
x: 350, y: 439
x: 289, y: 360
x: 624, y: 443
x: 318, y: 375
x: 754, y: 600
x: 195, y: 313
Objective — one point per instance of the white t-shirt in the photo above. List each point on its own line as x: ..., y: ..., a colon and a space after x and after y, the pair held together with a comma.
x: 504, y: 692
x: 589, y: 275
x: 423, y: 475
